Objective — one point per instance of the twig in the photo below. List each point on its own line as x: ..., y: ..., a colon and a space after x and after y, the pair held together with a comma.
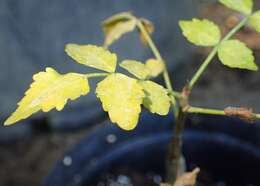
x: 243, y: 113
x: 175, y: 154
x: 159, y: 57
x: 214, y: 52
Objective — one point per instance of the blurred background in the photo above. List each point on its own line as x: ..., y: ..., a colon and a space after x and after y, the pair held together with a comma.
x: 32, y: 36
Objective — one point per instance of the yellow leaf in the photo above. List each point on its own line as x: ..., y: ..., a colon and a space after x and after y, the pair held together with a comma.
x: 155, y: 67
x: 136, y: 68
x: 201, y: 32
x: 156, y: 98
x: 235, y: 54
x: 122, y: 16
x: 243, y: 6
x: 152, y: 68
x: 149, y: 27
x: 121, y: 97
x: 49, y: 90
x: 93, y: 56
x: 254, y: 21
x: 115, y: 31
x: 117, y: 25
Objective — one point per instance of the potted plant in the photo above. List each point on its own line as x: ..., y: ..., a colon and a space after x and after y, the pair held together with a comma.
x: 122, y: 96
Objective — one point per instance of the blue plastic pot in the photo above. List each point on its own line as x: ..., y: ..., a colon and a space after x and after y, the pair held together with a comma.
x: 226, y: 157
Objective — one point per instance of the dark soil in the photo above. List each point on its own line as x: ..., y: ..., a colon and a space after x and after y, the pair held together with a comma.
x: 127, y: 177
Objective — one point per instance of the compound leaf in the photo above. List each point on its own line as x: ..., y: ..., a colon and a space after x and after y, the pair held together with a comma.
x: 243, y: 6
x: 235, y: 54
x: 156, y: 98
x: 121, y: 97
x: 49, y: 90
x: 201, y: 32
x: 116, y: 26
x: 136, y: 68
x: 155, y: 67
x: 254, y: 21
x: 92, y: 56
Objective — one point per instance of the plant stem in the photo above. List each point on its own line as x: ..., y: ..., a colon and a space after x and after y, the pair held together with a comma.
x: 203, y: 67
x: 91, y: 75
x: 175, y: 94
x: 159, y: 57
x: 212, y: 54
x: 175, y: 164
x: 174, y: 155
x: 173, y: 161
x: 200, y: 110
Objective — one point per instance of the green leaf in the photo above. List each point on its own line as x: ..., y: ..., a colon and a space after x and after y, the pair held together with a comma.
x: 121, y: 97
x: 201, y: 32
x: 92, y: 56
x: 156, y: 98
x: 49, y: 90
x: 136, y: 68
x: 254, y: 21
x: 243, y: 6
x: 236, y: 54
x: 155, y: 67
x: 116, y: 26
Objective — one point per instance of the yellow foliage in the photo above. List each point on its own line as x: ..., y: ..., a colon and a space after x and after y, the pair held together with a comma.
x: 152, y: 68
x: 149, y: 27
x: 116, y: 31
x: 201, y: 32
x: 121, y: 97
x: 92, y: 56
x: 155, y: 67
x: 49, y: 90
x: 116, y: 26
x: 136, y: 68
x: 156, y: 99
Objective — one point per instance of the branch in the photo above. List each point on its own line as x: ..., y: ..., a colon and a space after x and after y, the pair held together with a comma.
x: 243, y: 113
x: 212, y: 54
